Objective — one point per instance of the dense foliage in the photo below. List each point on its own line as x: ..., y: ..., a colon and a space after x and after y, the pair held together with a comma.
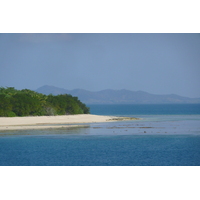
x: 30, y: 103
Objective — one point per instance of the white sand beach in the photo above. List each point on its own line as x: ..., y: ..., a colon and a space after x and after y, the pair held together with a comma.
x: 45, y: 122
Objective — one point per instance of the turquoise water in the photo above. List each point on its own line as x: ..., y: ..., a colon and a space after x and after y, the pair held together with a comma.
x: 146, y: 109
x: 167, y: 135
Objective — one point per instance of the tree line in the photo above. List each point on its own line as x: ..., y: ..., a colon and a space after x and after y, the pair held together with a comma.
x: 30, y: 103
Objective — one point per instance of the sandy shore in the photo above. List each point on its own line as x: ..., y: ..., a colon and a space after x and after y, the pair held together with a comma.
x: 45, y: 122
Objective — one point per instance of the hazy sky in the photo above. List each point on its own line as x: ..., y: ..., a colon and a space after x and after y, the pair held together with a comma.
x: 155, y: 63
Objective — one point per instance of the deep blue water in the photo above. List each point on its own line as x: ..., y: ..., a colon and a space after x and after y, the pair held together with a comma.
x: 167, y: 135
x: 101, y: 151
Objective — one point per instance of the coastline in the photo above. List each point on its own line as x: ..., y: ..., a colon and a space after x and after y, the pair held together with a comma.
x: 52, y: 122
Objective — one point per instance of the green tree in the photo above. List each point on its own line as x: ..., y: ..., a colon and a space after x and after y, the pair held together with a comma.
x: 5, y: 105
x: 27, y: 102
x: 24, y: 105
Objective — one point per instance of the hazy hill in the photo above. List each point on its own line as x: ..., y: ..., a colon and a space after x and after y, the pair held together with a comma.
x: 117, y: 96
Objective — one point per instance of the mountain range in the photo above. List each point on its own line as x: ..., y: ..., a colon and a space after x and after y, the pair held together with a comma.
x: 117, y: 96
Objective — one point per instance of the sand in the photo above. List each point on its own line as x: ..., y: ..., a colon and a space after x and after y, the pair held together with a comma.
x: 61, y: 121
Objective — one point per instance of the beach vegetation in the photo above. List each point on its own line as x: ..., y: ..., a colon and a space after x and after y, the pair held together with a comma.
x: 30, y: 103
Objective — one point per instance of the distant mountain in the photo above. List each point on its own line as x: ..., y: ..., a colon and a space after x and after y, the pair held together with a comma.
x: 117, y: 96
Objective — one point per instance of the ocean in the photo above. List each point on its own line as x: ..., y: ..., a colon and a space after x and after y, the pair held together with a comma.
x: 164, y: 135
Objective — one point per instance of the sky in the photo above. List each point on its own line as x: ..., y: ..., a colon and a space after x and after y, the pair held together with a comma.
x: 157, y: 63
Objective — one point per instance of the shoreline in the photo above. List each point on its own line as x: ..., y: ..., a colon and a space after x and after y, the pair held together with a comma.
x: 52, y: 122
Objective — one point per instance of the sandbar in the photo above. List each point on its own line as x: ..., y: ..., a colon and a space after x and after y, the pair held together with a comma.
x: 60, y: 121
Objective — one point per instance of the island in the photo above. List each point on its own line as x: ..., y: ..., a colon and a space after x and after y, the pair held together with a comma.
x: 27, y: 109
